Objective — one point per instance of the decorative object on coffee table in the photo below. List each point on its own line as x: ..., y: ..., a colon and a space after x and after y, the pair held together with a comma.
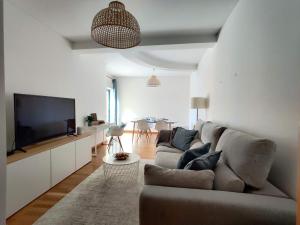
x: 121, y: 156
x: 121, y: 170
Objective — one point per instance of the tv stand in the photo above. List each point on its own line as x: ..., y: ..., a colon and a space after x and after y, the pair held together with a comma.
x: 46, y: 163
x: 21, y: 150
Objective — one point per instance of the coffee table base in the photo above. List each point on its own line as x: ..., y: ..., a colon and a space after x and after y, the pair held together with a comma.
x: 121, y: 173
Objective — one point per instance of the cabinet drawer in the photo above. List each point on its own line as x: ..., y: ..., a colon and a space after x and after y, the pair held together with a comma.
x: 83, y: 152
x: 62, y: 162
x: 26, y: 180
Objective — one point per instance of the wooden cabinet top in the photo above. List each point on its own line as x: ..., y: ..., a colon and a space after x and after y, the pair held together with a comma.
x: 45, y: 146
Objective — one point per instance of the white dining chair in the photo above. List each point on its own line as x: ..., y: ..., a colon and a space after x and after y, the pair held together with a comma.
x: 143, y: 129
x: 161, y: 125
x: 115, y: 132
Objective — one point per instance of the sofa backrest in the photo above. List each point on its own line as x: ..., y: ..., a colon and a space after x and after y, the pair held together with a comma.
x: 211, y: 133
x: 249, y: 157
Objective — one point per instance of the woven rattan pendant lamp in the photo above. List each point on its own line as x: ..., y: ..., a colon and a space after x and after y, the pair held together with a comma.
x: 153, y: 81
x: 115, y: 27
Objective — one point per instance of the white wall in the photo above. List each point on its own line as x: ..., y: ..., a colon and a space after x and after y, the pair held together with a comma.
x: 252, y: 78
x: 39, y: 61
x: 2, y: 127
x: 170, y: 100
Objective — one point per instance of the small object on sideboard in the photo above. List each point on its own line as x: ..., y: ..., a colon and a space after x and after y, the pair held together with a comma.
x: 79, y: 130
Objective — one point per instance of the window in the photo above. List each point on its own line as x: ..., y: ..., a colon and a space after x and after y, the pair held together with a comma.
x: 110, y: 105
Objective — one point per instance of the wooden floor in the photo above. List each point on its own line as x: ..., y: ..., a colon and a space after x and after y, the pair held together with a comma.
x: 30, y: 213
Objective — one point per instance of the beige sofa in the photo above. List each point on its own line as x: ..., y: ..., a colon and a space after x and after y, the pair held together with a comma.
x: 241, y: 195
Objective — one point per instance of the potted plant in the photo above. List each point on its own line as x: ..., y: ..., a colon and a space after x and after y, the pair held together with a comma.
x: 89, y: 120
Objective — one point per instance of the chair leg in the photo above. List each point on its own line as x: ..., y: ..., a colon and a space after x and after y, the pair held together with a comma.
x: 109, y: 144
x: 120, y: 144
x: 147, y: 135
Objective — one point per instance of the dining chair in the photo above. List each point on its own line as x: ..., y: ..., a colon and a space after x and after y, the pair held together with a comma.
x: 114, y: 132
x: 161, y: 125
x: 143, y: 129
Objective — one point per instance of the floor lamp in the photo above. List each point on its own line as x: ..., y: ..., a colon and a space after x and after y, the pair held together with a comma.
x: 198, y: 103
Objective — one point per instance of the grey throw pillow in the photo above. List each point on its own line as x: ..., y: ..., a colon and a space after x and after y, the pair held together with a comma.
x: 204, y: 162
x: 155, y: 175
x: 183, y: 138
x: 191, y: 154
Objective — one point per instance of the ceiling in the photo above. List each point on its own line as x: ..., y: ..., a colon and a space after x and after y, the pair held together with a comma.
x: 188, y: 26
x: 72, y: 18
x: 165, y: 62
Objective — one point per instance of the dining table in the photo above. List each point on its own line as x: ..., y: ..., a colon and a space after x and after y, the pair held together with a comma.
x: 150, y: 121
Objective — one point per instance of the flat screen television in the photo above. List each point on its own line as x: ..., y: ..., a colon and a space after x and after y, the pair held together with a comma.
x: 38, y: 118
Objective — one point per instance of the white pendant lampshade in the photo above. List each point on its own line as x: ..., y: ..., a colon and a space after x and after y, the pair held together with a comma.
x: 153, y: 81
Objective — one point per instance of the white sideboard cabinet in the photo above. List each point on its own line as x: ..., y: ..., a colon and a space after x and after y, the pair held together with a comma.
x: 43, y: 166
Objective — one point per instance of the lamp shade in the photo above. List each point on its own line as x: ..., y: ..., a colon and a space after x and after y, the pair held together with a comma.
x: 153, y: 81
x: 115, y: 27
x: 198, y: 103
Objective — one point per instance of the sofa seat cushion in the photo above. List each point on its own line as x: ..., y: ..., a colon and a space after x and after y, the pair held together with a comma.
x: 269, y: 189
x: 183, y: 138
x: 166, y: 148
x: 196, y: 143
x: 191, y: 154
x: 211, y: 133
x: 167, y: 159
x: 227, y: 180
x: 155, y: 175
x: 249, y: 157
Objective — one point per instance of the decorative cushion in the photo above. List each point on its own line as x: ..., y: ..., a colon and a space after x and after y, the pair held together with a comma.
x: 249, y: 157
x: 155, y: 175
x: 211, y: 133
x: 227, y: 180
x: 183, y: 138
x: 189, y: 155
x: 204, y: 162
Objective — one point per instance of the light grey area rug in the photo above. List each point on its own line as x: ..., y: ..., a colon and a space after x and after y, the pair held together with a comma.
x: 96, y: 202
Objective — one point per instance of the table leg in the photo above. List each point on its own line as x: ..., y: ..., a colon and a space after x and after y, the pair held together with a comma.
x: 133, y: 131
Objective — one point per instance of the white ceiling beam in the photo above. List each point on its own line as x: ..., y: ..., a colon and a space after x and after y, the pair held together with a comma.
x: 162, y: 42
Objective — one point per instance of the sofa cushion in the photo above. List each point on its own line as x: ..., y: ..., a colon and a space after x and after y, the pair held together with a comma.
x: 269, y: 189
x: 155, y: 175
x: 166, y: 148
x: 204, y: 162
x: 249, y: 157
x: 183, y: 138
x: 196, y: 143
x: 189, y: 155
x: 227, y: 180
x: 167, y: 159
x: 211, y: 132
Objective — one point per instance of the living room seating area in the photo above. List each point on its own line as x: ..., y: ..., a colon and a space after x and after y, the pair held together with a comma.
x: 241, y: 192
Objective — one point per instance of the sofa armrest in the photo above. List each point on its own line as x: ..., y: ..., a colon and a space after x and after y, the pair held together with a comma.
x: 164, y: 136
x: 181, y: 206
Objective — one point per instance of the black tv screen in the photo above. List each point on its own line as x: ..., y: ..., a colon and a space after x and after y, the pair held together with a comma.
x: 38, y: 118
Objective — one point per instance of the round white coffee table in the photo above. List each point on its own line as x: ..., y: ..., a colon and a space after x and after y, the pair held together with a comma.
x: 123, y: 170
